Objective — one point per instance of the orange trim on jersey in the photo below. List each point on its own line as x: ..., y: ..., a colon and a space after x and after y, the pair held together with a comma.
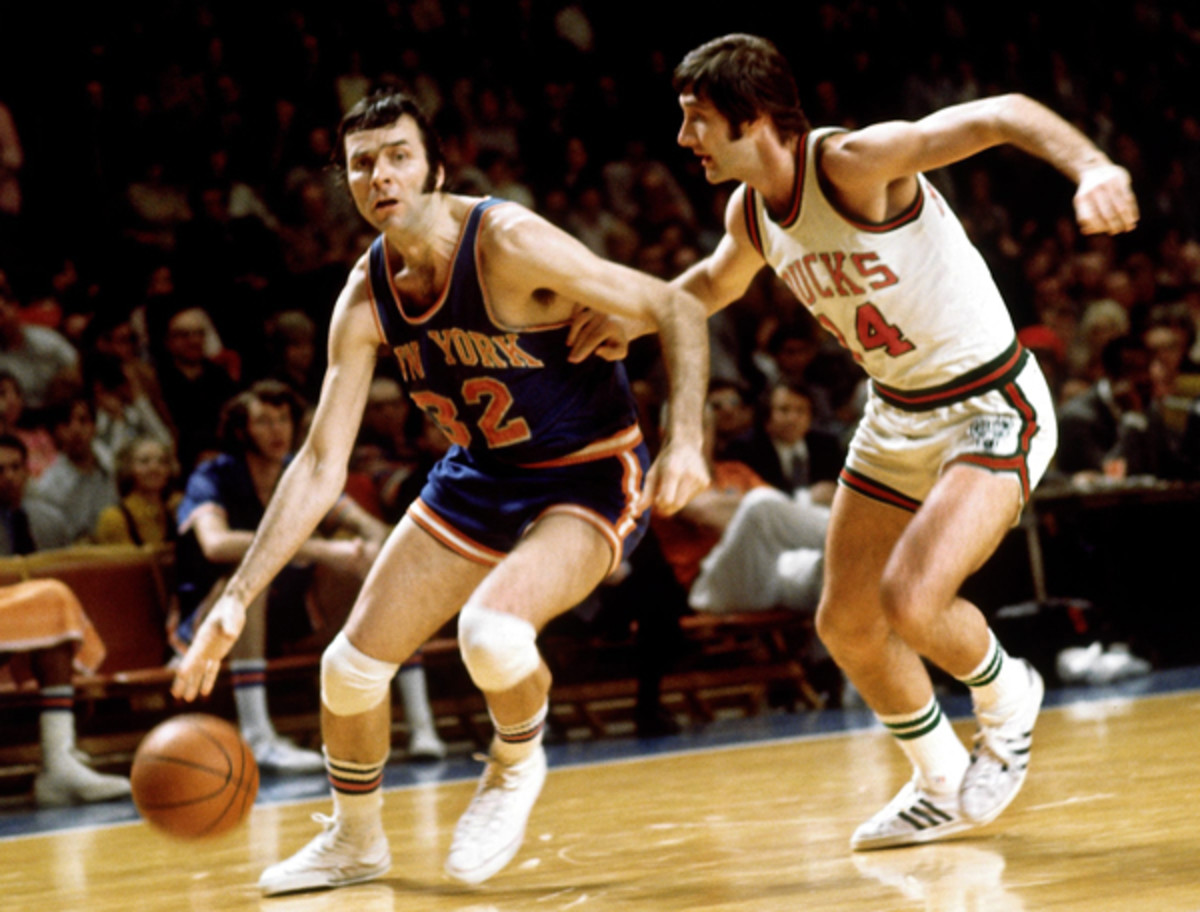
x: 383, y: 339
x: 442, y: 296
x: 600, y: 449
x: 451, y: 537
x: 592, y: 518
x: 483, y: 290
x: 614, y: 533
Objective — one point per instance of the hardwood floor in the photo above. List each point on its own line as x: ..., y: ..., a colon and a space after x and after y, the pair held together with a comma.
x: 1107, y: 820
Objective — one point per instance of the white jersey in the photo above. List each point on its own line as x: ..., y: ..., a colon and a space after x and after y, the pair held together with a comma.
x: 912, y: 299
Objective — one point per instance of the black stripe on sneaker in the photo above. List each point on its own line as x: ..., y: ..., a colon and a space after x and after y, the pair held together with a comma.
x: 925, y: 814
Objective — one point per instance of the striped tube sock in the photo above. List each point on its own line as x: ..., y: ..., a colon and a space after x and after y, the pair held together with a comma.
x: 249, y: 679
x: 514, y: 743
x: 929, y: 742
x: 357, y: 788
x: 56, y: 722
x: 996, y: 680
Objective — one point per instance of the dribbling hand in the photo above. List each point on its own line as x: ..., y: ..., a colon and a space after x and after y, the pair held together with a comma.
x: 197, y: 673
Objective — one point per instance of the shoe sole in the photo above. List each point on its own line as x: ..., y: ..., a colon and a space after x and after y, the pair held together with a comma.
x: 917, y: 837
x: 991, y: 815
x: 494, y: 866
x: 377, y: 871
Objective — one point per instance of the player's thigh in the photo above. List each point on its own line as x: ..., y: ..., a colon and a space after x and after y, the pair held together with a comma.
x: 415, y: 586
x: 957, y: 528
x: 554, y: 567
x: 862, y: 534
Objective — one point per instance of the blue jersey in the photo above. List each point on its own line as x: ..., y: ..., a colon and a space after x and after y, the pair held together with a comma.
x: 504, y: 394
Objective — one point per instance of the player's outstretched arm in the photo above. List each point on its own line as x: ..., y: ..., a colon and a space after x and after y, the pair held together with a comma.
x: 306, y: 491
x: 865, y: 165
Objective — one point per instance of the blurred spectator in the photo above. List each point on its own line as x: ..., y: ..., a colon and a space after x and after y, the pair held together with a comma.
x: 1115, y: 429
x: 79, y: 482
x: 730, y: 412
x: 785, y: 451
x: 194, y: 386
x: 26, y: 525
x: 145, y: 514
x: 12, y: 158
x: 45, y: 635
x: 291, y: 353
x: 40, y: 358
x: 122, y: 412
x: 37, y: 440
x: 385, y: 450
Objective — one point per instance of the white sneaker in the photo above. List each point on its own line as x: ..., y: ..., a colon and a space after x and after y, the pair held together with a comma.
x: 279, y: 755
x: 426, y: 745
x: 336, y: 857
x: 77, y: 784
x: 491, y: 830
x: 1000, y: 757
x: 913, y: 816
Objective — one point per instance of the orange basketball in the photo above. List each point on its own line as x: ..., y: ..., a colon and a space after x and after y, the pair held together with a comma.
x: 194, y: 777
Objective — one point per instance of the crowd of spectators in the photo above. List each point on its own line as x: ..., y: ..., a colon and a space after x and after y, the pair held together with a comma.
x: 171, y: 230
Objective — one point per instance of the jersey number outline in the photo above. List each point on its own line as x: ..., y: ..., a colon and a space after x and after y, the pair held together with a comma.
x: 873, y: 332
x: 498, y: 430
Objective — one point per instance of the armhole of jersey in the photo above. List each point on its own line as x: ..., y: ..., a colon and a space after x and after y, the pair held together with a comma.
x: 376, y: 267
x: 750, y: 213
x: 909, y: 214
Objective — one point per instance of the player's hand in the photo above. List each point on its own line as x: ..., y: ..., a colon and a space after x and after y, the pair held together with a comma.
x: 596, y: 333
x: 1104, y: 201
x: 197, y: 673
x: 677, y: 475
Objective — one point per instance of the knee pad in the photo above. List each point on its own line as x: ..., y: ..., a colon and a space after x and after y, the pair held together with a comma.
x: 498, y: 649
x: 351, y: 681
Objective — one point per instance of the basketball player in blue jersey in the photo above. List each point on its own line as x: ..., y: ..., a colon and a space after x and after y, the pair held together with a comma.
x: 544, y: 489
x: 960, y: 424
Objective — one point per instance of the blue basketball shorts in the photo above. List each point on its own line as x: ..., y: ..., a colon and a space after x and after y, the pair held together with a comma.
x: 481, y: 508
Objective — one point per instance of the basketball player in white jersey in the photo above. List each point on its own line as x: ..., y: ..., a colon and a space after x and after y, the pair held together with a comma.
x: 960, y: 424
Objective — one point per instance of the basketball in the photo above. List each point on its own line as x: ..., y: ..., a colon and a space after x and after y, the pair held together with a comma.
x: 194, y: 777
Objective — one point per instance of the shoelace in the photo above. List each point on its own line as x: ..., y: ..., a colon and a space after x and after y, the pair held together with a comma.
x: 991, y: 740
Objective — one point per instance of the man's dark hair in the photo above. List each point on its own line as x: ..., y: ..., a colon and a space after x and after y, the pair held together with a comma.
x: 744, y: 76
x: 233, y: 427
x: 13, y: 442
x: 382, y: 109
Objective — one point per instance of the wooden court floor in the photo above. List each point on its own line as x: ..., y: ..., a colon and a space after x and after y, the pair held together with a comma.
x: 1107, y: 821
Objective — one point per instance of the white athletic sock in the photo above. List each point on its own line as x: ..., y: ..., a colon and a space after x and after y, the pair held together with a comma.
x: 250, y: 697
x: 932, y: 746
x: 56, y: 724
x: 410, y: 682
x: 514, y: 743
x: 357, y: 790
x: 997, y: 681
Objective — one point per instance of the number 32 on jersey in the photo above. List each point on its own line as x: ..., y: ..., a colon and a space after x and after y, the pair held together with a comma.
x: 498, y: 429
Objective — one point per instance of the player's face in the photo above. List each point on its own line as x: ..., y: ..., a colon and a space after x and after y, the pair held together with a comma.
x: 707, y: 133
x: 387, y: 172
